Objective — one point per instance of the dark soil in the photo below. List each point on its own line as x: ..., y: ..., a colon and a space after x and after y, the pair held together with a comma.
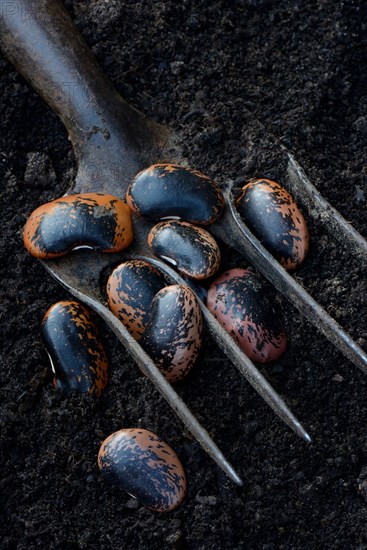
x: 300, y: 68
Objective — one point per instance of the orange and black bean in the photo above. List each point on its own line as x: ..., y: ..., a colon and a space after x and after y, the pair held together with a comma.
x: 140, y: 463
x: 191, y: 249
x: 272, y: 215
x: 77, y: 355
x: 172, y: 337
x: 131, y: 288
x: 95, y: 220
x: 244, y: 304
x: 165, y: 191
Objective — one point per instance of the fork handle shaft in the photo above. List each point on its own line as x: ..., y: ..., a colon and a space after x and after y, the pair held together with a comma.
x: 39, y: 38
x: 43, y: 43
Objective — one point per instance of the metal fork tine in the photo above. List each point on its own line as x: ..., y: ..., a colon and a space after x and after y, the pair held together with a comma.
x: 253, y: 375
x: 235, y: 233
x: 321, y: 210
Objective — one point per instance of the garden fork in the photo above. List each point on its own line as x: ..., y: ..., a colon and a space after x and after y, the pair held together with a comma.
x: 112, y: 143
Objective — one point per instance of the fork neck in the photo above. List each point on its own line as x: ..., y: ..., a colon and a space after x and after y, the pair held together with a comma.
x: 111, y: 140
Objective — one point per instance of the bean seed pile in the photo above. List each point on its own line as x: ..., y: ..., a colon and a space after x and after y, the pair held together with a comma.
x: 165, y: 318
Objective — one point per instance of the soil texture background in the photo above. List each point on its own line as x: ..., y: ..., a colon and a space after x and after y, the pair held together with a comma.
x: 209, y: 69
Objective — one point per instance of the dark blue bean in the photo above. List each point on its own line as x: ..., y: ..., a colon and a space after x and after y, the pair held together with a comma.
x: 165, y: 191
x: 77, y: 355
x: 244, y: 306
x: 94, y: 220
x: 140, y: 463
x: 131, y: 288
x: 191, y: 249
x: 274, y: 218
x: 173, y: 334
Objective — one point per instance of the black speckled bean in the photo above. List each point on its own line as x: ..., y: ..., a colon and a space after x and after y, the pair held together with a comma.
x: 242, y: 303
x: 94, y: 220
x: 131, y: 288
x: 165, y: 191
x: 173, y: 334
x: 272, y: 215
x: 191, y: 249
x: 78, y: 358
x: 140, y: 463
